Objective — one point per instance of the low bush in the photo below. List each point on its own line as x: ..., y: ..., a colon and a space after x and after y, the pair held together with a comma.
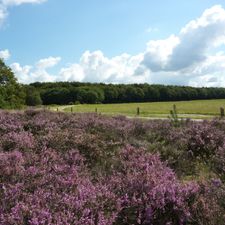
x: 63, y: 169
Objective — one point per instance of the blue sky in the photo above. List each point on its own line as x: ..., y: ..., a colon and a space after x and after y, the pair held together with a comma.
x: 118, y: 41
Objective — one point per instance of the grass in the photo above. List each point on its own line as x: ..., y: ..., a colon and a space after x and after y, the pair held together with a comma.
x: 199, y: 109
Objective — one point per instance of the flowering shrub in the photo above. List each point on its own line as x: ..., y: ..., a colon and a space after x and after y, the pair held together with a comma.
x: 63, y: 169
x: 204, y: 139
x: 219, y: 162
x: 149, y: 190
x: 193, y: 146
x: 209, y: 207
x: 51, y: 188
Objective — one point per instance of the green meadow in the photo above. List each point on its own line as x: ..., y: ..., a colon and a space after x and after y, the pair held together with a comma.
x: 186, y: 109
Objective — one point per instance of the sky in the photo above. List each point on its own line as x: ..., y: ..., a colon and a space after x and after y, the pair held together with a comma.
x: 173, y: 42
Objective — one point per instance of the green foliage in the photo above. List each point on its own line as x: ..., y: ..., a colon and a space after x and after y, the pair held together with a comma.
x: 173, y: 114
x: 111, y: 94
x: 63, y: 95
x: 12, y: 94
x: 88, y: 96
x: 56, y: 96
x: 176, y: 121
x: 66, y: 92
x: 151, y: 93
x: 33, y: 97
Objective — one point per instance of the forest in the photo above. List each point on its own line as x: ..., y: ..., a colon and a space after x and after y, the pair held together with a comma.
x: 74, y: 92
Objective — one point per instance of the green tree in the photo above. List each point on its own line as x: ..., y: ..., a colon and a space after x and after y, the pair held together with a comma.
x: 91, y: 97
x: 12, y: 94
x: 56, y: 96
x: 33, y: 97
x: 85, y: 95
x: 151, y: 93
x: 111, y: 94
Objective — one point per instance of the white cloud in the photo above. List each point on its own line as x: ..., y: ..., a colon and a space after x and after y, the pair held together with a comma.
x: 210, y: 16
x: 47, y: 62
x: 40, y: 75
x: 72, y: 73
x: 95, y: 67
x: 198, y: 37
x: 29, y: 74
x: 19, y: 2
x: 210, y: 72
x: 22, y: 73
x: 208, y: 81
x: 191, y: 45
x: 185, y: 58
x: 159, y: 52
x: 5, y: 54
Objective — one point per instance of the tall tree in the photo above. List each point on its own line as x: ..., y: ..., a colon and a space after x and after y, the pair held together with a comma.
x: 33, y: 96
x: 12, y: 94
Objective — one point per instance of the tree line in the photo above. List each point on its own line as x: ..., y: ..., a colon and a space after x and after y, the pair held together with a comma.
x: 15, y: 95
x: 74, y: 93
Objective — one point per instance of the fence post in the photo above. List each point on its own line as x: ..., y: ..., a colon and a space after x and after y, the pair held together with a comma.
x: 57, y: 109
x: 174, y: 108
x: 96, y: 110
x: 71, y: 109
x: 221, y: 112
x: 138, y: 111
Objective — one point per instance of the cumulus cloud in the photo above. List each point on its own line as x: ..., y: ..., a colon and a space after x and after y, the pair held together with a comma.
x: 185, y: 58
x: 5, y: 4
x: 47, y: 62
x: 29, y: 74
x: 210, y: 72
x: 22, y: 72
x: 190, y: 46
x: 73, y: 72
x: 198, y: 37
x: 5, y: 54
x: 158, y: 53
x: 95, y: 67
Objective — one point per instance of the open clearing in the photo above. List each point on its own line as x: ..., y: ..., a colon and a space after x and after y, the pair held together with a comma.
x: 199, y: 109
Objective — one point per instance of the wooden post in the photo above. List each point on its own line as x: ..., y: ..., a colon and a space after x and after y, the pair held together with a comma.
x: 221, y: 112
x: 174, y: 108
x: 138, y: 111
x: 57, y: 109
x: 96, y: 110
x: 71, y: 109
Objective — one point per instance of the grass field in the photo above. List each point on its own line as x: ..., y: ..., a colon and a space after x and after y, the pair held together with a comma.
x: 186, y: 109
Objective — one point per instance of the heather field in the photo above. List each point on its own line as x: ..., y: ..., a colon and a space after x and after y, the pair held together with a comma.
x: 90, y: 169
